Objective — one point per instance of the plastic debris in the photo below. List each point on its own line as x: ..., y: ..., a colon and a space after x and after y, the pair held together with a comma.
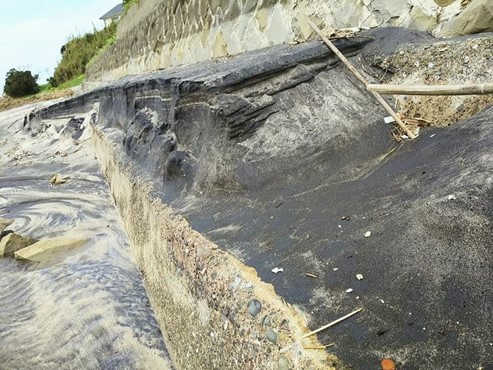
x: 452, y: 197
x: 367, y: 234
x: 277, y: 270
x: 359, y: 276
x: 389, y: 119
x: 335, y: 268
x: 388, y: 364
x: 349, y: 290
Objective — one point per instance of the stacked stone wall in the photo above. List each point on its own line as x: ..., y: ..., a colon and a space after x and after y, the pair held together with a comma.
x: 161, y: 33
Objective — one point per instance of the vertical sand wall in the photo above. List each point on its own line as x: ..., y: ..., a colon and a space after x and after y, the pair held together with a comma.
x: 205, y: 300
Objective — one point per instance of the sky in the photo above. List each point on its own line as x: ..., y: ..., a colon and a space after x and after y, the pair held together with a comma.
x: 32, y: 32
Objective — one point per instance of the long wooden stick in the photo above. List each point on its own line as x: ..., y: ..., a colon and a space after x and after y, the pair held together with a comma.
x: 475, y: 89
x: 360, y: 77
x: 332, y: 323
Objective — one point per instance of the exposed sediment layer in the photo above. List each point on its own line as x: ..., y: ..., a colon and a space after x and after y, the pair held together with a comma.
x: 201, y: 294
x: 282, y: 160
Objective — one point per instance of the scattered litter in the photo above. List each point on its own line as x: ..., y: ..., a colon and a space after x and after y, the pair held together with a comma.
x: 433, y: 135
x: 404, y: 137
x: 311, y: 275
x: 381, y: 300
x: 357, y: 297
x: 335, y: 268
x: 277, y: 270
x: 349, y: 290
x: 57, y: 179
x: 452, y: 197
x: 359, y: 277
x: 346, y: 218
x: 339, y: 226
x: 332, y: 323
x: 388, y: 364
x: 367, y: 234
x: 389, y: 119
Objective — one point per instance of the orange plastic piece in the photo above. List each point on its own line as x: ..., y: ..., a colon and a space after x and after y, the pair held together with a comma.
x: 388, y: 364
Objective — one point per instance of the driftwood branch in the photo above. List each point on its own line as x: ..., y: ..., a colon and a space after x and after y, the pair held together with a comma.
x: 360, y: 77
x: 476, y: 89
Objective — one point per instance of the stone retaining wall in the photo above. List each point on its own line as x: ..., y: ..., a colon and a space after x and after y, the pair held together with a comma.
x: 160, y: 33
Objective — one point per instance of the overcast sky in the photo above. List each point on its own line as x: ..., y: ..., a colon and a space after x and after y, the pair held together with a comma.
x: 33, y: 31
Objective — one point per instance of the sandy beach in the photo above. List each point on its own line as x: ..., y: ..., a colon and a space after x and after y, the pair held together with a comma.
x: 82, y: 308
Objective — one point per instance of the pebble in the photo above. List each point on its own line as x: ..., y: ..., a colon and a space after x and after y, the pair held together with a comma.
x: 271, y: 336
x: 203, y: 252
x: 235, y: 283
x: 266, y: 321
x: 254, y: 307
x: 283, y: 363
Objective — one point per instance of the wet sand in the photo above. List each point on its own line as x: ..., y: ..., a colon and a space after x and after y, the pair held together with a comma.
x: 84, y: 308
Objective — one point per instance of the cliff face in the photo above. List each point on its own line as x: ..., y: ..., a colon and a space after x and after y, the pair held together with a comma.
x: 159, y: 33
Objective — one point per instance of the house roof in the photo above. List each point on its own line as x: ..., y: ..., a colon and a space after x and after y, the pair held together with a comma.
x: 114, y: 12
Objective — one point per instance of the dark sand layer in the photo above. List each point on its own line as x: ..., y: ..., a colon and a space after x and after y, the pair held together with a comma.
x: 284, y: 161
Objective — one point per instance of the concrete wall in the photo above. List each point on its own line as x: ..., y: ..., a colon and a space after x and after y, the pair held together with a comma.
x: 161, y: 33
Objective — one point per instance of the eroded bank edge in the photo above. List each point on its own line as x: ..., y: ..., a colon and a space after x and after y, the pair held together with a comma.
x: 205, y: 300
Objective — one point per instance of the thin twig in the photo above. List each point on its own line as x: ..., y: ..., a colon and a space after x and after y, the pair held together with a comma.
x: 332, y: 323
x: 320, y: 347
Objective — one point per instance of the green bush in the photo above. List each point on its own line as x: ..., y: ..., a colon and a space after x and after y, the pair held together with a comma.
x: 77, y: 53
x: 128, y: 3
x: 20, y: 83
